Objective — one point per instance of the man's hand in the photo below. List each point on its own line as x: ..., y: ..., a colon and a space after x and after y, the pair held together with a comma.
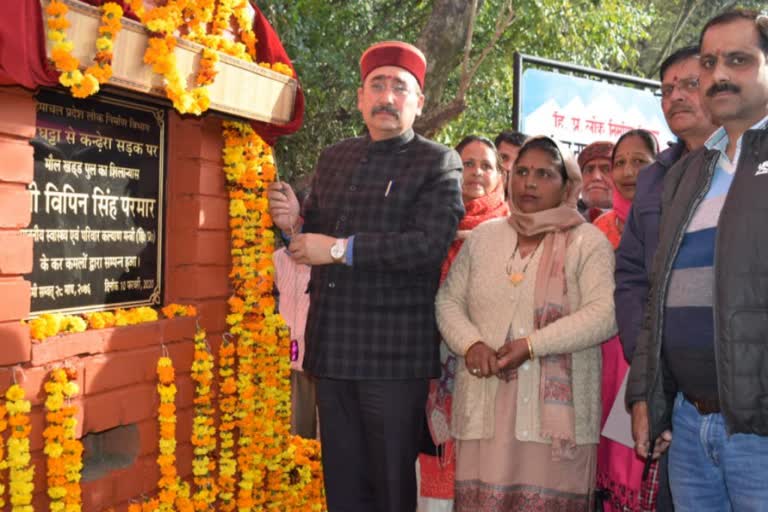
x: 311, y: 249
x: 283, y: 206
x: 480, y: 360
x: 641, y: 433
x: 662, y: 444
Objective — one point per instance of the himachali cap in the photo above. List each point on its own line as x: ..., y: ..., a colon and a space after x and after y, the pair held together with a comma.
x: 394, y: 53
x: 598, y: 149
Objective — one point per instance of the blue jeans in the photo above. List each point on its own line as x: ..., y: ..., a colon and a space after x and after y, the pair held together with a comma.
x: 710, y: 470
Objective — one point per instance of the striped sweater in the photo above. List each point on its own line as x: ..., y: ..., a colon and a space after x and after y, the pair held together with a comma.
x: 688, y: 342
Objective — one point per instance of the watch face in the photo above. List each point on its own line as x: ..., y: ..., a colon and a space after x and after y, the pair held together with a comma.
x: 337, y: 250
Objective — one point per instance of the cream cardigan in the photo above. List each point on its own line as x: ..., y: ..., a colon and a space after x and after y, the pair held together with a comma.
x: 478, y: 302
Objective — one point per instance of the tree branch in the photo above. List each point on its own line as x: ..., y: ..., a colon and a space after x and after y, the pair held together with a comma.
x: 439, y: 116
x: 468, y: 43
x: 682, y: 20
x: 502, y: 24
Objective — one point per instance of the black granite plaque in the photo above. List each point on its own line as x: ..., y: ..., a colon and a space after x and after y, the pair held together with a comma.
x: 97, y: 204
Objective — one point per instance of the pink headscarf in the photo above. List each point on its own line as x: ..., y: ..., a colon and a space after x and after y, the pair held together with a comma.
x: 561, y: 217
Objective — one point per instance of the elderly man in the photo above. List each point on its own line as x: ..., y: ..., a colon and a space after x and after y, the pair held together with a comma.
x: 597, y: 194
x: 699, y: 365
x: 380, y: 216
x: 687, y: 119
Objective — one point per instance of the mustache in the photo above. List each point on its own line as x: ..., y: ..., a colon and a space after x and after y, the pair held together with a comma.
x: 723, y: 87
x: 385, y: 108
x: 680, y: 108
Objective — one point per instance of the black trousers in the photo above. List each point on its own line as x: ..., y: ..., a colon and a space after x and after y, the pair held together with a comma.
x: 370, y: 433
x: 303, y: 405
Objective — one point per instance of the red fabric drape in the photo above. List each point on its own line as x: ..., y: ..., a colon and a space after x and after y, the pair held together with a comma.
x: 23, y: 60
x: 270, y: 49
x: 22, y: 46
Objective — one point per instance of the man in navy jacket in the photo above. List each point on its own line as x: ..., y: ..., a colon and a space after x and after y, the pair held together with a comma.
x: 688, y: 120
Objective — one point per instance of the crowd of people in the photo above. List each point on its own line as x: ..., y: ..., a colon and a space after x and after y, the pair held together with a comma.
x: 482, y: 310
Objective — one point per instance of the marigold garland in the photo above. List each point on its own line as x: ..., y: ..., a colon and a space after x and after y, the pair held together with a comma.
x: 149, y: 505
x: 174, y: 310
x: 62, y: 448
x: 21, y: 471
x: 51, y: 324
x: 168, y: 485
x: 3, y: 462
x: 166, y: 20
x: 203, y: 429
x: 80, y: 84
x: 284, y: 469
x: 227, y: 410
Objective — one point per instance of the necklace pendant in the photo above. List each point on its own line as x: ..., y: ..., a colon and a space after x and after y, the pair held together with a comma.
x: 516, y: 278
x: 294, y: 350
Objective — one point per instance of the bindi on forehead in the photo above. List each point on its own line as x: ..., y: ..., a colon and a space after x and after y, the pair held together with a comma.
x: 677, y: 78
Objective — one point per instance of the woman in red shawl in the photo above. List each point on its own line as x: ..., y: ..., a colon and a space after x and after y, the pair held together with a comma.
x: 483, y: 194
x: 619, y: 470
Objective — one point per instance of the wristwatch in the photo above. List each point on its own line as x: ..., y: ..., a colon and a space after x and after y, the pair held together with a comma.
x: 338, y: 250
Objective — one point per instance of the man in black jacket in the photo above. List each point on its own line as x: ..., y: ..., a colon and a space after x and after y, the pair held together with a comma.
x: 382, y: 211
x: 700, y: 360
x: 687, y: 119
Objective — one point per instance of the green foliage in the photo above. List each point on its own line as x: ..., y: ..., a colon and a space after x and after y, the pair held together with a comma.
x: 326, y: 37
x: 597, y: 33
x: 678, y: 23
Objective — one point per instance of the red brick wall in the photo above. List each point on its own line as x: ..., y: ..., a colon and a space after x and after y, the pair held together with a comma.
x: 116, y: 367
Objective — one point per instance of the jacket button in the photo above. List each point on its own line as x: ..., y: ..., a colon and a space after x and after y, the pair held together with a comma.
x: 331, y: 285
x: 343, y: 218
x: 352, y: 188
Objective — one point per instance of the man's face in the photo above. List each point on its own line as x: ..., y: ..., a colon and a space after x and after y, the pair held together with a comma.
x: 389, y: 100
x: 733, y: 73
x: 507, y: 156
x: 596, y: 176
x: 680, y: 99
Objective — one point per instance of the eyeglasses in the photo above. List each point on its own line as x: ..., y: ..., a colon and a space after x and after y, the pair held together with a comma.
x: 397, y: 88
x: 685, y: 85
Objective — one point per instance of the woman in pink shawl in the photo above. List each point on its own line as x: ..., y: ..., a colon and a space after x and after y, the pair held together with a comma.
x: 619, y: 470
x: 483, y: 195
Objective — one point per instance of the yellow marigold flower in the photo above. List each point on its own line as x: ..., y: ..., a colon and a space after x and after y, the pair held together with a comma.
x: 70, y: 78
x: 112, y: 10
x: 104, y: 44
x: 73, y: 324
x: 14, y: 393
x: 71, y: 389
x: 56, y: 35
x: 88, y: 86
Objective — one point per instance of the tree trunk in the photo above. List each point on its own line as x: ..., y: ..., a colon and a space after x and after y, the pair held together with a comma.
x: 442, y: 40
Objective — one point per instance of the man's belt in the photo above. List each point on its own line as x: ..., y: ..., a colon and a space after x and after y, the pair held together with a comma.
x: 704, y: 405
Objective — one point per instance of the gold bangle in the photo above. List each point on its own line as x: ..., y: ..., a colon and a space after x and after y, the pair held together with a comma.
x: 530, y: 348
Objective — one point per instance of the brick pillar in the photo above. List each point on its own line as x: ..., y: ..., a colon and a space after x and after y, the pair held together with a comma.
x: 17, y: 127
x: 197, y: 262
